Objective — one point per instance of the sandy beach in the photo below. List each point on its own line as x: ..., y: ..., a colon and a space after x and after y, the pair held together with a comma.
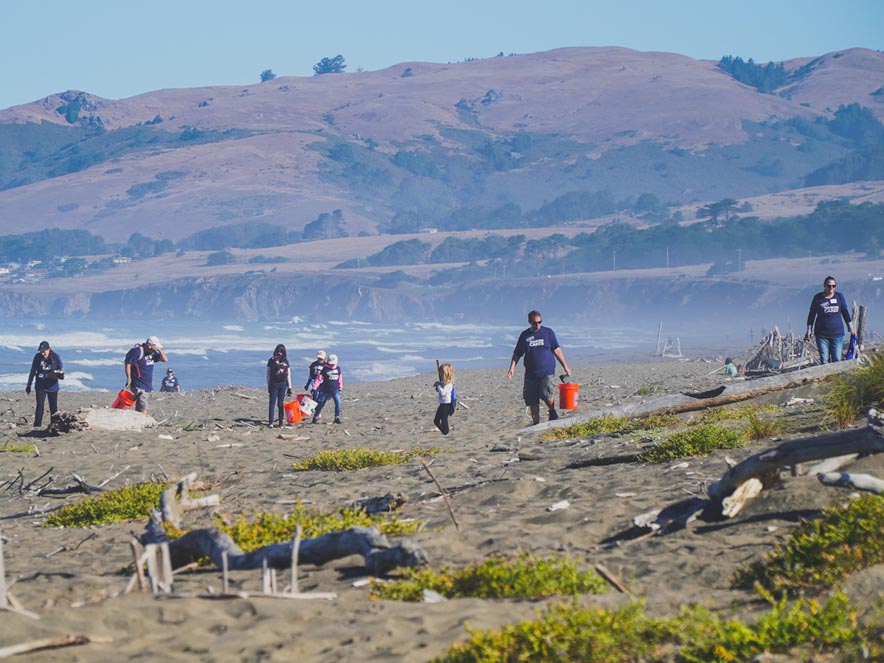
x: 72, y: 579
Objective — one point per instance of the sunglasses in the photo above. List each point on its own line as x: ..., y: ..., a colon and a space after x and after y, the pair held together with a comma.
x: 831, y: 285
x: 536, y: 322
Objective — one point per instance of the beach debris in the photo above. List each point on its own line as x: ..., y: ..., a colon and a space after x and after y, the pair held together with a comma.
x: 241, y: 395
x: 622, y: 495
x: 679, y: 466
x: 558, y: 506
x: 378, y: 554
x: 865, y: 482
x: 613, y: 580
x: 52, y: 643
x: 213, y: 437
x: 429, y: 596
x: 443, y: 493
x: 798, y: 402
x: 8, y: 602
x: 383, y: 504
x: 107, y: 419
x: 166, y: 437
x: 734, y: 503
x: 528, y: 456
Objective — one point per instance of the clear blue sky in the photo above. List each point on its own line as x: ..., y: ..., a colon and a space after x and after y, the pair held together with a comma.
x: 120, y: 48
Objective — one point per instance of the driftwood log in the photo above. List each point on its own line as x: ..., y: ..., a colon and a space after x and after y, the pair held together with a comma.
x: 767, y: 463
x: 730, y: 393
x: 749, y: 478
x: 379, y: 555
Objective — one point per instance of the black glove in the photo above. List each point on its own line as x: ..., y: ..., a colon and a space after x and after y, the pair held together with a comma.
x: 28, y: 391
x: 288, y: 392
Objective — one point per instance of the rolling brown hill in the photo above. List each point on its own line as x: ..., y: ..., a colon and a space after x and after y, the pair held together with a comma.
x: 595, y: 118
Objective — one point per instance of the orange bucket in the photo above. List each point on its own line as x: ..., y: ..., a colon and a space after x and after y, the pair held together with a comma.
x: 124, y: 400
x: 292, y: 412
x: 568, y: 396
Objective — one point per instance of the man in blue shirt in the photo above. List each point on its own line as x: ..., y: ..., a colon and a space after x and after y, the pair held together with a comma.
x: 541, y: 348
x: 139, y: 369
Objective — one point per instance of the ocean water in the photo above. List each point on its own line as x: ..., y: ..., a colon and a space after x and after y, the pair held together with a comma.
x: 207, y: 354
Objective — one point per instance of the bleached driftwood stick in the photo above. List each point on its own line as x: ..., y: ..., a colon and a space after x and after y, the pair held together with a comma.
x: 865, y: 482
x: 51, y: 643
x: 379, y: 555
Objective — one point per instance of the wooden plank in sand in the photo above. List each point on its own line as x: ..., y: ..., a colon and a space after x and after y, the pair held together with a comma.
x: 730, y: 393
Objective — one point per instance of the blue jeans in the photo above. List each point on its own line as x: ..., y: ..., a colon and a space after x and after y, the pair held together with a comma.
x: 830, y: 348
x: 323, y: 398
x: 277, y: 399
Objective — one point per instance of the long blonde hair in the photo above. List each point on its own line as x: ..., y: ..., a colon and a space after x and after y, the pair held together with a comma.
x: 447, y: 372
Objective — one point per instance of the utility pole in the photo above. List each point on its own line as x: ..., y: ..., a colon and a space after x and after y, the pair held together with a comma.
x: 615, y: 261
x: 667, y: 258
x: 739, y: 260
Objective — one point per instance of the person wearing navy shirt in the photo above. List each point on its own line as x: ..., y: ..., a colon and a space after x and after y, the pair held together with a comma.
x: 47, y: 369
x: 329, y: 383
x: 170, y: 382
x: 827, y: 309
x: 541, y: 349
x: 139, y: 369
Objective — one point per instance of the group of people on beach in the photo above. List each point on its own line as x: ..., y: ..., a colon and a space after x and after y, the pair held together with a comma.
x: 325, y: 381
x: 538, y: 346
x: 47, y: 369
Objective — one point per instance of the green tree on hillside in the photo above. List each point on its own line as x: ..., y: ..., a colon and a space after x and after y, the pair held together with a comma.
x: 267, y: 75
x: 723, y: 208
x: 326, y: 226
x: 333, y: 65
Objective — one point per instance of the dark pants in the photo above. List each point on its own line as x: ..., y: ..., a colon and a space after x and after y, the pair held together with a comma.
x: 441, y: 418
x: 277, y: 400
x: 41, y: 399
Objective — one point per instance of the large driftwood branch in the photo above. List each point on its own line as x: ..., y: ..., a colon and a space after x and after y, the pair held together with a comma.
x: 793, y: 452
x: 731, y: 393
x: 379, y: 555
x: 864, y: 482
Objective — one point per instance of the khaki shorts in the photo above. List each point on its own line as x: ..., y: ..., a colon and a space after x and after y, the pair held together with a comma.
x: 539, y: 389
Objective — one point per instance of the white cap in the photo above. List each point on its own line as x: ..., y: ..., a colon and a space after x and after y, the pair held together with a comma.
x: 333, y: 360
x: 155, y: 342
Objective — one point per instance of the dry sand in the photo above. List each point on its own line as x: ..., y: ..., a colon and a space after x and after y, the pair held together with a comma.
x: 76, y: 590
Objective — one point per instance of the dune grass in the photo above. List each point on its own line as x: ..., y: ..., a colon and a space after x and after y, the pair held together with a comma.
x: 114, y: 506
x: 345, y: 460
x: 852, y: 393
x: 523, y: 576
x: 693, y: 442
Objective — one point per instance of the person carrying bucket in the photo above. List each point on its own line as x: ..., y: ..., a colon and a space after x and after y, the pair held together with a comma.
x: 329, y: 383
x: 279, y: 383
x: 541, y: 349
x: 139, y: 369
x: 314, y: 370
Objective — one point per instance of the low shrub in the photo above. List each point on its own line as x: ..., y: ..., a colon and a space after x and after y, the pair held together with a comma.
x: 115, y: 506
x: 611, y: 424
x: 697, y: 441
x: 265, y: 528
x: 524, y: 576
x: 758, y: 428
x: 344, y: 460
x: 820, y: 553
x: 18, y: 448
x: 568, y: 632
x: 852, y: 393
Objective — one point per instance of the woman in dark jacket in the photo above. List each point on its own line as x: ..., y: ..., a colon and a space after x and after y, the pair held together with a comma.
x: 47, y: 369
x: 827, y: 309
x: 279, y: 383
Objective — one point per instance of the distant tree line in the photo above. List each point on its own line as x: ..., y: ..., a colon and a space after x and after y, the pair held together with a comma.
x: 847, y: 227
x: 764, y: 78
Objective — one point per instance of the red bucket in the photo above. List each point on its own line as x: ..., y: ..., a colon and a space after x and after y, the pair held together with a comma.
x: 125, y: 399
x: 568, y: 396
x: 292, y: 412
